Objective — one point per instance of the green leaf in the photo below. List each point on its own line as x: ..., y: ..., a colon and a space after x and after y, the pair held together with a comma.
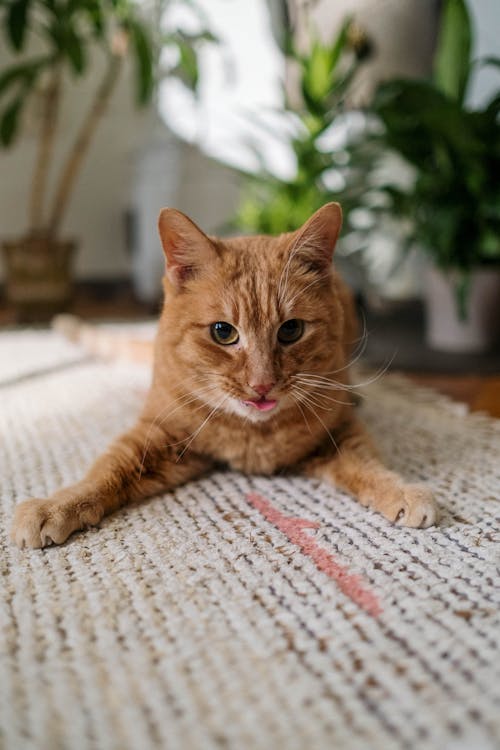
x: 96, y: 13
x: 10, y: 121
x: 288, y: 44
x: 425, y: 126
x: 487, y: 61
x: 492, y: 110
x: 340, y: 43
x: 11, y: 76
x: 490, y: 245
x: 16, y: 22
x: 317, y: 72
x: 322, y: 87
x: 143, y: 60
x: 22, y: 74
x: 195, y: 38
x: 187, y: 68
x: 490, y: 208
x: 75, y: 51
x: 452, y: 63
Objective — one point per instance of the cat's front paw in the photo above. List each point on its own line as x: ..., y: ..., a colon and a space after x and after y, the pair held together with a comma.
x: 417, y: 508
x: 39, y: 523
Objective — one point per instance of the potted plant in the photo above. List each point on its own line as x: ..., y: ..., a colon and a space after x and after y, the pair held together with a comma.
x: 66, y: 35
x: 453, y: 202
x: 329, y: 165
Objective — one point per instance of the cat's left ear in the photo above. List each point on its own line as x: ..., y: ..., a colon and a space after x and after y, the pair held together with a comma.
x: 187, y: 249
x: 317, y: 238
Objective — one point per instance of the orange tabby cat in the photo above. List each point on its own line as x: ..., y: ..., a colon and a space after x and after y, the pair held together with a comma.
x: 250, y: 372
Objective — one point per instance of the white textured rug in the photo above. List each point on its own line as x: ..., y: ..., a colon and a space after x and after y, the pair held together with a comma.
x: 245, y: 612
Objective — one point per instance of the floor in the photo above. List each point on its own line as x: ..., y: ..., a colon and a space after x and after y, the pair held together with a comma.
x: 238, y: 611
x: 479, y: 392
x: 473, y: 380
x: 245, y: 611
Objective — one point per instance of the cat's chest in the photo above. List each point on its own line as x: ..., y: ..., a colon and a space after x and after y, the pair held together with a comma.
x: 255, y: 450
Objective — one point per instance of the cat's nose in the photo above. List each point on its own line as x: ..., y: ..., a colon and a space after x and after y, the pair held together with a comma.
x: 262, y: 388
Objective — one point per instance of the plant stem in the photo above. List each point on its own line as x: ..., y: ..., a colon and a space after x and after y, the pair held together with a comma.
x: 51, y: 99
x: 81, y: 143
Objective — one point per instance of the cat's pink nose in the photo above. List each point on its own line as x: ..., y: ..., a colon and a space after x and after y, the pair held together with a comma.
x: 262, y: 388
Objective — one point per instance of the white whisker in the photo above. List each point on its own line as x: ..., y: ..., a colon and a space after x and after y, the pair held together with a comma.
x: 205, y: 421
x: 327, y: 382
x: 308, y: 406
x: 185, y: 400
x: 307, y: 396
x: 297, y: 402
x: 307, y: 386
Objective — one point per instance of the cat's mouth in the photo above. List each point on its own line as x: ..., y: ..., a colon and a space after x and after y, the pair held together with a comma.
x: 262, y: 403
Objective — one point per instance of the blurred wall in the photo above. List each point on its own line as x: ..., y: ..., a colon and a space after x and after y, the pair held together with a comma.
x: 104, y: 190
x: 403, y: 34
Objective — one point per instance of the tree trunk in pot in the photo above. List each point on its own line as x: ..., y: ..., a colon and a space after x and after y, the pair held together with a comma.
x: 481, y: 328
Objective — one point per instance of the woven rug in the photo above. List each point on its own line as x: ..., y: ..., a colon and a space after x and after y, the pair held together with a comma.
x: 243, y: 612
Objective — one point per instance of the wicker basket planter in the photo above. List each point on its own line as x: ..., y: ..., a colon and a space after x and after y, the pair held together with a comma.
x: 38, y: 272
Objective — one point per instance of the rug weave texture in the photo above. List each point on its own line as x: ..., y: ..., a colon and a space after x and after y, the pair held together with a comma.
x: 196, y: 621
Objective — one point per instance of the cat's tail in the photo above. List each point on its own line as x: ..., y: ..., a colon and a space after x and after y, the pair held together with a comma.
x: 107, y: 342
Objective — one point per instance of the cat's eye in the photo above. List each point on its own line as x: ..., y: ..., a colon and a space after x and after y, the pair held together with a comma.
x: 290, y: 331
x: 224, y: 333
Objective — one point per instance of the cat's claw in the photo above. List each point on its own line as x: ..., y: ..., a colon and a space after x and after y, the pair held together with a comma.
x: 417, y: 508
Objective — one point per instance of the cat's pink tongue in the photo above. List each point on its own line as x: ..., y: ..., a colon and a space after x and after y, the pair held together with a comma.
x: 262, y: 404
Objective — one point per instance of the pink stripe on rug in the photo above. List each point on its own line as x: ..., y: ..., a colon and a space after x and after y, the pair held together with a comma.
x: 349, y: 583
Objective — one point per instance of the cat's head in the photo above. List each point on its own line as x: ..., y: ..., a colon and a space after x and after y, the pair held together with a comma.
x: 250, y: 321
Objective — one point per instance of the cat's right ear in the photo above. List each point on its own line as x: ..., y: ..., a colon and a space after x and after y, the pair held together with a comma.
x: 317, y: 238
x: 186, y: 247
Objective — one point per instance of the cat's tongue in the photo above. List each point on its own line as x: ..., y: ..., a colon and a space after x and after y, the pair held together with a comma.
x: 262, y: 404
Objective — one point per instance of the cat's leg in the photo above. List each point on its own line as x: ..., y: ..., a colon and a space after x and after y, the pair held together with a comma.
x: 356, y: 467
x: 137, y: 465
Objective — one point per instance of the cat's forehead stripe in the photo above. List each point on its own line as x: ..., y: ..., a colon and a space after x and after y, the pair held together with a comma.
x: 257, y: 284
x: 253, y: 298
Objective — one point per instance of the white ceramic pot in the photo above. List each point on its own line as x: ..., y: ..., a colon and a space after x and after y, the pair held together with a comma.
x: 445, y: 330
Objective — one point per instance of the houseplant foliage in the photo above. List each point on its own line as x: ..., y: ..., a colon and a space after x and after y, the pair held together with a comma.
x: 54, y: 43
x: 176, y: 45
x: 323, y: 172
x: 453, y: 203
